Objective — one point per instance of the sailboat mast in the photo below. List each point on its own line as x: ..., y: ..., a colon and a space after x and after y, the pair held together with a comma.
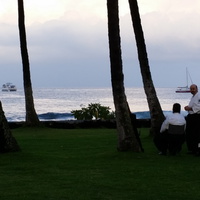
x: 186, y: 77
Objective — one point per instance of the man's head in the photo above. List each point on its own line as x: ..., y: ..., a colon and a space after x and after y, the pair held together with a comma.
x: 176, y: 108
x: 193, y: 89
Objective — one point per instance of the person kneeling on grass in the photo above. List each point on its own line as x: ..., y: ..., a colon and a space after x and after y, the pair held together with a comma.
x: 172, y: 133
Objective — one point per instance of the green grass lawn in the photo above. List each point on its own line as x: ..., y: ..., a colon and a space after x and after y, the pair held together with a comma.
x: 83, y: 164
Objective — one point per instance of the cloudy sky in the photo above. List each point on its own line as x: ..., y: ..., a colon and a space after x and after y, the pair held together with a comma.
x: 68, y: 43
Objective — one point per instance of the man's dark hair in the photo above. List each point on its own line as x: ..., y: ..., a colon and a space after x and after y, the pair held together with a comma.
x: 176, y: 108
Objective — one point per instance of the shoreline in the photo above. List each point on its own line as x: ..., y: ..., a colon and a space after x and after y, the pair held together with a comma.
x: 73, y: 124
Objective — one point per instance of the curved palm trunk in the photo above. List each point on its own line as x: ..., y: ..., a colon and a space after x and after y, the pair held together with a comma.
x: 7, y: 141
x: 31, y: 116
x: 126, y: 137
x: 157, y: 116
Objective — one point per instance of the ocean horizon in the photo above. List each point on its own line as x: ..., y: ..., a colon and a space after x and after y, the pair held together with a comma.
x: 56, y: 104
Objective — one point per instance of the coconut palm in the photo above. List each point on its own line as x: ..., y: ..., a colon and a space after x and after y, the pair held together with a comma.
x: 157, y: 116
x: 31, y: 116
x: 127, y: 139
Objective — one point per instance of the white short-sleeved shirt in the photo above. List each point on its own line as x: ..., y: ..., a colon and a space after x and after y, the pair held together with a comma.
x: 174, y: 119
x: 195, y: 104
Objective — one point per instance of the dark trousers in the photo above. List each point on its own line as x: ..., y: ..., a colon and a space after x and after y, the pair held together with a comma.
x: 192, y: 132
x: 161, y: 142
x: 175, y: 142
x: 169, y: 142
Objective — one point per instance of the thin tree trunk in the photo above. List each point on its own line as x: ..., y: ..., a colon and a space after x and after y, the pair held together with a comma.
x: 157, y: 116
x: 127, y: 140
x: 31, y: 116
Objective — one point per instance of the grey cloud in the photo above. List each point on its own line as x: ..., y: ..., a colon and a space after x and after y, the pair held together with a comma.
x: 73, y: 51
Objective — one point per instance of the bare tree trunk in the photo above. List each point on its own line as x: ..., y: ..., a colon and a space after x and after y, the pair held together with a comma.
x: 31, y: 116
x: 157, y: 116
x: 7, y: 141
x: 127, y: 140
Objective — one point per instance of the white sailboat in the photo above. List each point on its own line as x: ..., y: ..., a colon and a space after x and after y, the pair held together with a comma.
x: 186, y: 88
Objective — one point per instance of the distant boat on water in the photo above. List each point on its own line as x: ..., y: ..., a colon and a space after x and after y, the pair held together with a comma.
x: 9, y: 87
x: 186, y: 88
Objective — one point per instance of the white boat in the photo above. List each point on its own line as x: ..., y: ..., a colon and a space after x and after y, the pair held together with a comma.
x: 9, y: 87
x: 186, y: 88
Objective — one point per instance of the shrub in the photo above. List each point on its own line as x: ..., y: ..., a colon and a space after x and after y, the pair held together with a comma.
x: 93, y: 111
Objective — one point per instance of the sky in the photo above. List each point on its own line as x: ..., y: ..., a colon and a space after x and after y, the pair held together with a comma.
x: 68, y: 42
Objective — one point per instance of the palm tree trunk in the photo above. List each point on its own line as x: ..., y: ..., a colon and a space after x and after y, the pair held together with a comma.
x: 127, y: 140
x: 157, y: 116
x: 7, y: 142
x: 31, y: 116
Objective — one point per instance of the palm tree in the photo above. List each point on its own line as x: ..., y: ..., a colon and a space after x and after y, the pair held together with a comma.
x: 127, y: 140
x: 157, y: 116
x: 7, y: 141
x: 31, y: 116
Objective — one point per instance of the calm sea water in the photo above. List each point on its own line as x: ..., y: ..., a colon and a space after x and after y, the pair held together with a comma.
x: 57, y: 103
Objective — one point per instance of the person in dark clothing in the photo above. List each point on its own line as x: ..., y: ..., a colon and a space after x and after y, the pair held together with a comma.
x: 193, y: 122
x: 172, y: 132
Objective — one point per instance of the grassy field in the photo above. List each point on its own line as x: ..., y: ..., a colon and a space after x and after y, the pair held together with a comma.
x: 83, y: 164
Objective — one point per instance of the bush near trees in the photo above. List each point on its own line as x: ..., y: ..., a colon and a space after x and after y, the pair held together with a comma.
x: 93, y: 111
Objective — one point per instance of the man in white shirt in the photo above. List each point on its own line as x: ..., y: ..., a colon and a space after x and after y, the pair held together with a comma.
x: 174, y: 119
x: 193, y: 121
x: 172, y: 140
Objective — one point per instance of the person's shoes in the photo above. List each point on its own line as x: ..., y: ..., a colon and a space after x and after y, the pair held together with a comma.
x: 162, y: 153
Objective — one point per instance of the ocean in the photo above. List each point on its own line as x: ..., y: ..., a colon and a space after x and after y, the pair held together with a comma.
x: 57, y: 103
